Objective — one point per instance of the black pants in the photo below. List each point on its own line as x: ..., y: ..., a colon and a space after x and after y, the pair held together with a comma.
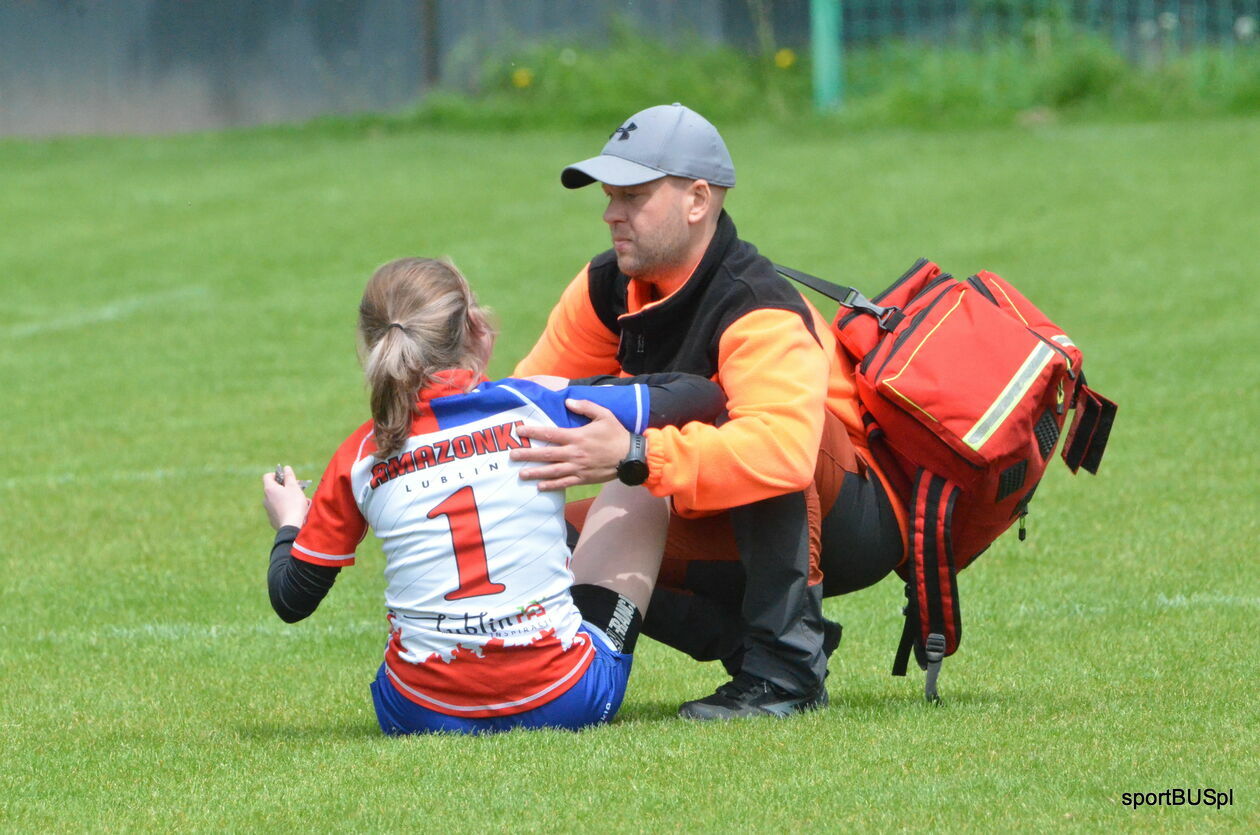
x: 760, y: 613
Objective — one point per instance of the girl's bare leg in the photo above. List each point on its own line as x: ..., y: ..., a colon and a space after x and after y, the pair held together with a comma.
x: 622, y: 542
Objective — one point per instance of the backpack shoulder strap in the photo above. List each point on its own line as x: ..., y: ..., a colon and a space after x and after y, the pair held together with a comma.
x: 933, y: 621
x: 828, y: 288
x: 848, y: 296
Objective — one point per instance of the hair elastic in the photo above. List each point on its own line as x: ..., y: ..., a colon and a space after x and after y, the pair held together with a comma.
x: 396, y: 325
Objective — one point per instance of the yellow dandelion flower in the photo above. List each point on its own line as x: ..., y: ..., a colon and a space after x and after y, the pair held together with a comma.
x: 522, y: 77
x: 784, y: 58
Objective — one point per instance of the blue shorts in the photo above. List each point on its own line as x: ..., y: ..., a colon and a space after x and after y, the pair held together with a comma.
x: 593, y: 700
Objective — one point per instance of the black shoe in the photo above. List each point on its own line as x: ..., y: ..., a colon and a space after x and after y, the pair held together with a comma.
x: 747, y: 695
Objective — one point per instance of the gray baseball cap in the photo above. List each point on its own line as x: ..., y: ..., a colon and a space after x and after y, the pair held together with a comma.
x: 666, y: 139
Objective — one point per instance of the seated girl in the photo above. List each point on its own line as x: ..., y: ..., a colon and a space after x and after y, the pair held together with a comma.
x: 494, y: 623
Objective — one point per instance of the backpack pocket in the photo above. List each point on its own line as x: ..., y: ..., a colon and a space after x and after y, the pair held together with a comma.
x: 967, y: 372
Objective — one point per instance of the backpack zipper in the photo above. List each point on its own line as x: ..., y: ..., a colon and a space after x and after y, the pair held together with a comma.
x: 983, y: 289
x: 931, y: 285
x: 918, y: 265
x: 975, y: 282
x: 914, y: 324
x: 1071, y: 372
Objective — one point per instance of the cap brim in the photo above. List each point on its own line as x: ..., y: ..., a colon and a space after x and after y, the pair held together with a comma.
x: 611, y: 170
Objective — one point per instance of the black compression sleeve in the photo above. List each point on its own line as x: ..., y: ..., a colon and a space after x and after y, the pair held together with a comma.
x: 676, y: 398
x: 688, y: 398
x: 613, y: 614
x: 296, y: 586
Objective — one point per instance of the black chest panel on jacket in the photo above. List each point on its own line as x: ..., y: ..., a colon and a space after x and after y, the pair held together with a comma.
x: 682, y: 333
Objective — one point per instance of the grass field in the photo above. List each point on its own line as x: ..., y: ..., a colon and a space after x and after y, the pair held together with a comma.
x: 177, y: 317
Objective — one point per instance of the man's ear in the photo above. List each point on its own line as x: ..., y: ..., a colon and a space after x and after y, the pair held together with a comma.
x: 699, y: 200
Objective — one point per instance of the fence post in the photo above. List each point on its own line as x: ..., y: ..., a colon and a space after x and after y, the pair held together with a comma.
x: 430, y: 38
x: 827, y: 49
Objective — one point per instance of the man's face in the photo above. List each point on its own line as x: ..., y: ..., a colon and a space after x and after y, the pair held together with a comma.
x: 649, y: 227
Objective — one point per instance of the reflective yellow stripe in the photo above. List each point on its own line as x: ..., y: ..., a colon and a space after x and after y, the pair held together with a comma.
x: 1010, y: 396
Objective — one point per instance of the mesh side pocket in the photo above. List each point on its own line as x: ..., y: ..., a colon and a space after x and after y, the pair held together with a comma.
x: 1012, y: 479
x: 1047, y: 432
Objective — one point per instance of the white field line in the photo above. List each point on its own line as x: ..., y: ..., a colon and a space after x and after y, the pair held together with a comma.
x: 104, y: 313
x: 253, y: 473
x: 203, y: 632
x: 271, y: 628
x: 1200, y: 599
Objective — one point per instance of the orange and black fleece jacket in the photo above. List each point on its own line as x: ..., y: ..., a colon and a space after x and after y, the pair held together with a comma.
x: 736, y: 321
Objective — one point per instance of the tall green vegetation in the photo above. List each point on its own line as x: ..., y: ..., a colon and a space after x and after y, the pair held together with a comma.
x: 1020, y: 67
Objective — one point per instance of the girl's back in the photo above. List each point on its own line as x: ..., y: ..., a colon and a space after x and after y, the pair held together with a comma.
x: 446, y: 506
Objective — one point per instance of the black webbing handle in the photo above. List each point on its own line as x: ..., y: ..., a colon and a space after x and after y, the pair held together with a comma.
x: 850, y: 297
x: 828, y: 288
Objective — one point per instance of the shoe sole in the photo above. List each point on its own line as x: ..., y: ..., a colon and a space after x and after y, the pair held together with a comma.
x: 779, y: 710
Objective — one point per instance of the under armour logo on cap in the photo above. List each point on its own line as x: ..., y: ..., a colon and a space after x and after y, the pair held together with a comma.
x: 669, y: 140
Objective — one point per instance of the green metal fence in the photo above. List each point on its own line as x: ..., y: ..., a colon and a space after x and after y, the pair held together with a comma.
x: 858, y: 45
x: 1133, y: 25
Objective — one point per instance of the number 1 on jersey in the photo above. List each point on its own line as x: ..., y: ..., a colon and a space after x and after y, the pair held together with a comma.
x: 460, y: 510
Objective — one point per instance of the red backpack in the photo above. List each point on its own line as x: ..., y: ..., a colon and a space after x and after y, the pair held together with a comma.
x: 965, y: 387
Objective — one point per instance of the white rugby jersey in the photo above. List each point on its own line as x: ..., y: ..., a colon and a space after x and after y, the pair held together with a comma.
x: 477, y: 570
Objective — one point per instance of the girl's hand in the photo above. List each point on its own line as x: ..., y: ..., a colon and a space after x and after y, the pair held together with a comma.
x: 285, y: 504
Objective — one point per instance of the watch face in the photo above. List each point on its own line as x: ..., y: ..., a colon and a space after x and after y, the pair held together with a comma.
x: 632, y: 472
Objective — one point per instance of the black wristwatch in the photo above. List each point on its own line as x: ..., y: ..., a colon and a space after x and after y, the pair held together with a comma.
x: 633, y: 469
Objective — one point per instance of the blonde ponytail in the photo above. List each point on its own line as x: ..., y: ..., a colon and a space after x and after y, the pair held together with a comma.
x: 418, y: 317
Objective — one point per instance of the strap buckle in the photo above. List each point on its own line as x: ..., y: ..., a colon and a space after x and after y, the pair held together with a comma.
x: 934, y: 650
x: 888, y: 317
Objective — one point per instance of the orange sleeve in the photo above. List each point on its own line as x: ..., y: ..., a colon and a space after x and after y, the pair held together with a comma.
x: 575, y: 342
x: 842, y: 395
x: 775, y: 375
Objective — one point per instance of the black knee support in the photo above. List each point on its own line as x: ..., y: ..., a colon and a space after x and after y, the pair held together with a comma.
x: 614, y: 614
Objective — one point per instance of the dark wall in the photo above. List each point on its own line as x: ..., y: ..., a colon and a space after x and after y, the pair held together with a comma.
x: 144, y: 66
x: 164, y: 65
